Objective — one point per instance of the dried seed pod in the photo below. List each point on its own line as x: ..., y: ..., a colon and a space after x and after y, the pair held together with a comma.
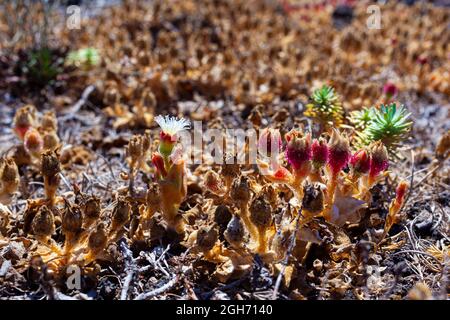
x: 146, y: 141
x: 230, y: 168
x: 72, y: 219
x: 33, y: 142
x: 213, y: 183
x: 261, y: 212
x: 281, y: 241
x: 443, y: 146
x: 21, y: 156
x: 49, y: 121
x: 9, y: 175
x: 111, y: 96
x: 98, y: 238
x: 149, y: 99
x: 121, y: 213
x: 222, y: 216
x: 235, y: 233
x: 135, y: 148
x: 270, y: 194
x: 51, y: 140
x: 319, y: 153
x: 24, y: 119
x: 207, y: 238
x: 43, y: 224
x: 5, y: 213
x: 313, y: 199
x: 143, y: 58
x: 318, y: 265
x: 153, y: 195
x: 256, y: 118
x: 50, y: 165
x: 240, y: 190
x: 92, y: 208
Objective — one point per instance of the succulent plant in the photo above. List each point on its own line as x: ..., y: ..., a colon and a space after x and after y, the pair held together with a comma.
x: 389, y: 124
x: 86, y: 57
x: 170, y: 170
x: 325, y: 108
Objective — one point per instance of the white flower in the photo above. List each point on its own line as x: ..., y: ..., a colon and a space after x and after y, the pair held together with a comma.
x: 171, y: 125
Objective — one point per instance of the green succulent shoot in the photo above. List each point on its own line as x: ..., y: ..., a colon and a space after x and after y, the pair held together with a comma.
x: 325, y: 107
x: 361, y: 118
x: 389, y: 124
x: 87, y: 57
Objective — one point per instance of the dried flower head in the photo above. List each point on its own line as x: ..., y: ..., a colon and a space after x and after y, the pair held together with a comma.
x: 230, y: 168
x: 298, y: 149
x: 153, y: 195
x: 443, y: 146
x: 72, y: 219
x: 98, y: 238
x: 319, y: 153
x: 24, y: 119
x: 138, y: 147
x: 49, y: 121
x: 207, y: 238
x: 50, y: 140
x: 9, y: 175
x: 43, y: 224
x: 260, y: 212
x: 121, y: 213
x: 379, y: 160
x: 360, y: 162
x: 235, y: 233
x: 313, y: 199
x: 339, y: 149
x: 213, y: 182
x: 240, y: 190
x: 222, y: 215
x: 91, y: 207
x: 50, y: 164
x: 33, y: 142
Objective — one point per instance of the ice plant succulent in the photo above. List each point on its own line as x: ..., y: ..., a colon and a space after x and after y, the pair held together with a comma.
x: 395, y: 206
x: 298, y: 155
x: 170, y: 170
x: 325, y: 108
x: 339, y: 155
x: 379, y: 161
x: 359, y: 164
x: 388, y: 123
